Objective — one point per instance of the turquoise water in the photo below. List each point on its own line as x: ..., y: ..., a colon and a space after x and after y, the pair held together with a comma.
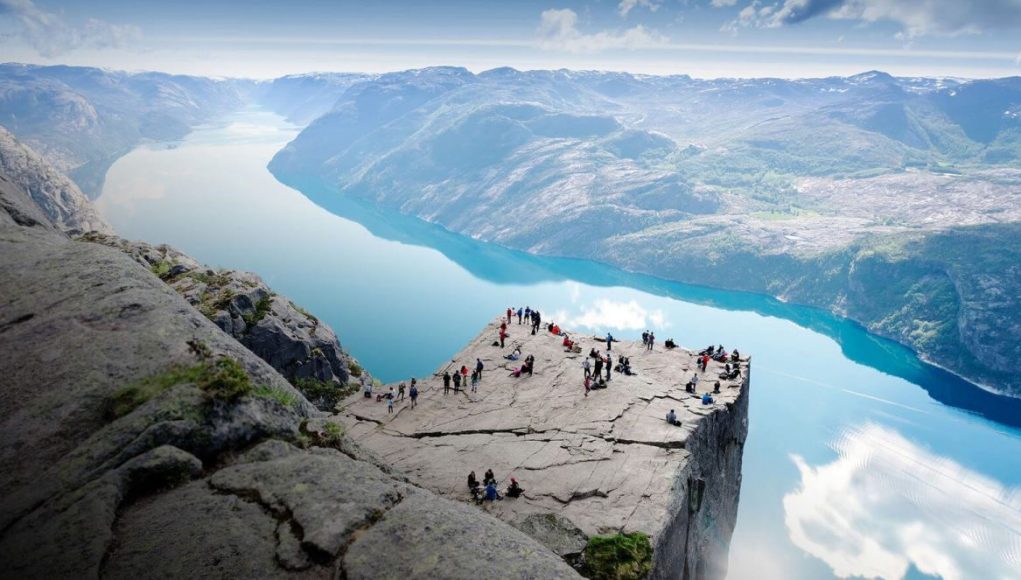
x: 860, y: 459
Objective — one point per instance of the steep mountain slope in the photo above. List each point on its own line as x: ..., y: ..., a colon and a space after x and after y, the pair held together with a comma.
x: 140, y: 440
x: 765, y: 185
x: 59, y: 198
x: 81, y: 119
x: 302, y: 98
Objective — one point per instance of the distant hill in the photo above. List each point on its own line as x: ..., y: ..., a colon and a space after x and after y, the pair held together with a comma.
x: 769, y: 185
x: 82, y: 119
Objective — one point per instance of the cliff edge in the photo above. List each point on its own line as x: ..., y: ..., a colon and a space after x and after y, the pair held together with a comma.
x: 599, y: 464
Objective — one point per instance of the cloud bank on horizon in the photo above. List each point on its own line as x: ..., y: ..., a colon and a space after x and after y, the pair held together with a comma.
x: 710, y: 38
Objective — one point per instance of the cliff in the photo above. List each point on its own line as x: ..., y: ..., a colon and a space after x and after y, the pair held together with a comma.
x: 607, y: 463
x: 139, y: 439
x: 59, y: 198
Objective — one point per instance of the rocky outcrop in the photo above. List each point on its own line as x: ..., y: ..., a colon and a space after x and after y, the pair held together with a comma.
x: 294, y: 342
x: 139, y: 439
x: 605, y: 463
x: 59, y: 198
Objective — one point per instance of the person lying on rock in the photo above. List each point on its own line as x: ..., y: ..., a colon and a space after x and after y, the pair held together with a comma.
x: 671, y: 418
x: 514, y: 355
x: 515, y: 489
x: 516, y: 373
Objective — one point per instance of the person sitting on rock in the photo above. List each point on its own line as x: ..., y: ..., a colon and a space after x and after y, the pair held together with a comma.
x: 669, y: 343
x: 514, y: 355
x: 568, y: 343
x: 735, y: 356
x: 716, y: 388
x: 488, y: 477
x: 516, y: 373
x: 491, y: 493
x: 515, y: 489
x: 690, y: 387
x: 671, y: 418
x: 473, y: 483
x: 707, y: 399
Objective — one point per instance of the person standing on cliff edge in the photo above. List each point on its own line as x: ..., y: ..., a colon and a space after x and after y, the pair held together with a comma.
x: 478, y: 368
x: 510, y: 315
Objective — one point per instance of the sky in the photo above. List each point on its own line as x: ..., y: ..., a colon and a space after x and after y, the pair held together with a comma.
x: 702, y: 38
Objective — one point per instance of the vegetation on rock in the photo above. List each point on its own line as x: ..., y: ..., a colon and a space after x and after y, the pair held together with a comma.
x: 618, y: 557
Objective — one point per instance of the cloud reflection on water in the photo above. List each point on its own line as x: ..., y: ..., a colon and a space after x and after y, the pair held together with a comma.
x: 885, y: 504
x: 604, y: 314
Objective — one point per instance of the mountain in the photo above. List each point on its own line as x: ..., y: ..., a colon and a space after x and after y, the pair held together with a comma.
x: 82, y: 119
x: 138, y: 438
x: 818, y: 191
x: 59, y: 198
x: 302, y: 98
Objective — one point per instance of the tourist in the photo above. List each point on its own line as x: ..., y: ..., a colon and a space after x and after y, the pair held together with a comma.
x: 472, y: 481
x: 446, y: 382
x: 567, y: 342
x: 510, y: 314
x: 367, y: 389
x: 464, y: 375
x: 514, y: 490
x: 489, y: 477
x: 390, y: 404
x: 475, y: 381
x: 690, y: 387
x: 413, y: 393
x: 694, y: 380
x: 588, y: 383
x: 716, y: 388
x: 670, y: 344
x: 609, y: 366
x: 457, y: 381
x: 400, y: 390
x: 529, y: 364
x: 599, y: 365
x: 671, y: 418
x: 734, y: 356
x: 587, y: 367
x: 491, y: 493
x: 652, y: 340
x: 503, y: 335
x: 707, y: 399
x: 521, y: 313
x: 609, y: 342
x: 645, y: 339
x: 478, y: 368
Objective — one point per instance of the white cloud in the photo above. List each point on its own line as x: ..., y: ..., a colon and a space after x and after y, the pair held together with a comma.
x: 886, y: 504
x: 626, y: 6
x: 558, y: 30
x: 606, y: 314
x: 915, y: 17
x: 723, y: 3
x: 51, y: 34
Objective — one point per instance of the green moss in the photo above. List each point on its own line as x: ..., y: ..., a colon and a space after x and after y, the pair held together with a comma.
x: 262, y: 308
x: 618, y: 557
x: 130, y: 397
x: 324, y: 394
x: 225, y: 380
x: 332, y: 434
x: 162, y: 268
x: 354, y: 368
x: 284, y: 398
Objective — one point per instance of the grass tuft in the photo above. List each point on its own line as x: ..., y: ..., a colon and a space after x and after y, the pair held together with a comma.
x: 618, y: 557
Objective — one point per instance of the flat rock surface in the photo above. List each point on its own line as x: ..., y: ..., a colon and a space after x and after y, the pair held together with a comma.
x: 606, y: 462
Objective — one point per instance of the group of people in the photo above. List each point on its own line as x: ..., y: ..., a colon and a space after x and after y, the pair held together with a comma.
x: 487, y: 490
x: 391, y: 396
x: 460, y: 378
x: 649, y: 339
x: 525, y: 316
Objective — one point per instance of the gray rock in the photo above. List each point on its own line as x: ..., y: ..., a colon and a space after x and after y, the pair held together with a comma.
x: 555, y: 532
x: 428, y: 537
